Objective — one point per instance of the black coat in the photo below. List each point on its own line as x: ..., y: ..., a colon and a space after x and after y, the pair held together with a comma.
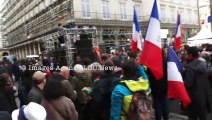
x: 7, y: 99
x: 159, y: 87
x: 197, y: 86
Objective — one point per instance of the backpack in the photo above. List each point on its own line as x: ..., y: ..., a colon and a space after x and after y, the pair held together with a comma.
x: 140, y: 107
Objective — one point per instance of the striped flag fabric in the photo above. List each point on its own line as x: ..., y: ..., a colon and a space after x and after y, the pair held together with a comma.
x: 97, y: 51
x: 176, y: 87
x: 178, y: 34
x: 136, y: 41
x: 208, y: 19
x: 151, y: 55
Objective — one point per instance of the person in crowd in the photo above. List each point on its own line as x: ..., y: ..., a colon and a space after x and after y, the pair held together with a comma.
x: 2, y: 68
x: 63, y: 77
x: 35, y: 94
x: 197, y: 86
x: 7, y: 66
x: 32, y: 111
x: 79, y: 81
x: 16, y: 70
x: 78, y: 60
x: 159, y: 92
x: 7, y: 91
x: 25, y: 83
x: 140, y: 70
x: 101, y: 93
x: 104, y: 58
x: 58, y: 107
x: 46, y: 62
x: 96, y: 71
x: 120, y: 99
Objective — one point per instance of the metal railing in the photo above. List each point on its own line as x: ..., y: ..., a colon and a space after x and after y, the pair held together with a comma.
x: 107, y: 16
x: 183, y: 2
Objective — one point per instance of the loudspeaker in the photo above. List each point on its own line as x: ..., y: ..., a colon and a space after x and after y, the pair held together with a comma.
x: 84, y: 46
x: 61, y: 39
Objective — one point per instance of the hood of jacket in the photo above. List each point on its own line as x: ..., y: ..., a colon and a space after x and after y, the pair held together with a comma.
x: 83, y: 76
x: 198, y: 66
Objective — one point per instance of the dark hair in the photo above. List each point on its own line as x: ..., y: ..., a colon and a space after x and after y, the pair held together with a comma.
x: 193, y: 51
x: 57, y: 76
x: 5, y: 80
x: 53, y: 89
x: 129, y: 69
x: 108, y: 66
x: 104, y: 57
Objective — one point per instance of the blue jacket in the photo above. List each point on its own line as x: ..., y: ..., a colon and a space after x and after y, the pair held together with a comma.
x: 117, y: 101
x: 141, y: 72
x: 122, y: 97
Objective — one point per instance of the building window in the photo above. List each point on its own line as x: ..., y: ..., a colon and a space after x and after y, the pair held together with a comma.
x: 189, y: 13
x: 196, y: 17
x: 138, y: 11
x: 106, y: 10
x: 182, y: 15
x: 4, y: 44
x: 163, y: 14
x: 173, y: 15
x: 123, y: 11
x: 85, y: 8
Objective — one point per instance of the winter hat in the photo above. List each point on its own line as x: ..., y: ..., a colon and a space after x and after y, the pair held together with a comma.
x: 48, y: 73
x: 78, y: 68
x: 32, y: 111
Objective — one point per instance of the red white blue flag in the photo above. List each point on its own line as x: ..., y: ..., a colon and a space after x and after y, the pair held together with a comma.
x: 178, y: 34
x: 136, y: 41
x: 208, y: 19
x: 151, y: 55
x: 176, y: 87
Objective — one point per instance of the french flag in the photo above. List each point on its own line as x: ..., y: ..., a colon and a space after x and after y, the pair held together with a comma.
x: 136, y: 41
x: 176, y: 88
x: 178, y: 34
x: 151, y: 55
x: 208, y: 19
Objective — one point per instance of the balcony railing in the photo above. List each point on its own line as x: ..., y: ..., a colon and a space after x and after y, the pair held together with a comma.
x: 183, y: 2
x: 104, y: 16
x: 174, y: 21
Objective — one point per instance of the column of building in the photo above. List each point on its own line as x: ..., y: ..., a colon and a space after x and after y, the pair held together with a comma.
x: 22, y: 52
x: 34, y: 49
x: 39, y: 51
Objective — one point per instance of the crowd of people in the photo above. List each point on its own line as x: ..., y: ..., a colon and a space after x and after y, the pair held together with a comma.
x: 115, y: 88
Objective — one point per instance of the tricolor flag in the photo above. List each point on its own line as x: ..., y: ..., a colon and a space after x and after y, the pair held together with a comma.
x: 97, y: 51
x: 208, y: 19
x: 151, y: 55
x: 136, y: 41
x: 178, y: 34
x: 176, y: 88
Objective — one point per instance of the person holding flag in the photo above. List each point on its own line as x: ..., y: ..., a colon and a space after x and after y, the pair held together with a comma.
x: 151, y: 55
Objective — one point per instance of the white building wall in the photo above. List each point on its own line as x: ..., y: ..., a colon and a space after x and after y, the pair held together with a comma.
x: 96, y: 9
x: 169, y: 9
x: 204, y: 9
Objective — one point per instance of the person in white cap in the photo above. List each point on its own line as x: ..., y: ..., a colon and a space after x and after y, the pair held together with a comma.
x: 79, y: 81
x: 32, y: 111
x: 35, y: 94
